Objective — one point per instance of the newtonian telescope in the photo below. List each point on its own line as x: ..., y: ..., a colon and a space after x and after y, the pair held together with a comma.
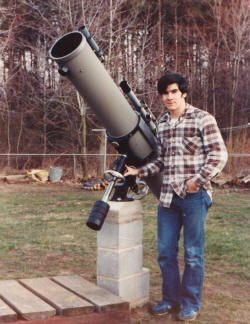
x: 129, y: 124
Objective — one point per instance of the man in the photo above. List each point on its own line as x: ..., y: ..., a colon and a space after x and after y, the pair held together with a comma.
x: 191, y: 152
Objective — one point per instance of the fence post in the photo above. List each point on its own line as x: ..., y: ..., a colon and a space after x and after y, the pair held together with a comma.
x: 74, y: 166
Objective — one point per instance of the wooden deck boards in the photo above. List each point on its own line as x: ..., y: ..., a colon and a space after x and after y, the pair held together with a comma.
x: 100, y: 297
x: 7, y: 314
x: 23, y: 301
x: 44, y: 298
x: 63, y: 300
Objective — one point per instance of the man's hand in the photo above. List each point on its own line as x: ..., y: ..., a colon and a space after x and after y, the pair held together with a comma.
x: 192, y: 186
x: 131, y: 171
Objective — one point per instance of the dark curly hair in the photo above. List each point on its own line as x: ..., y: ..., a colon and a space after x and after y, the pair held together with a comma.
x: 170, y: 78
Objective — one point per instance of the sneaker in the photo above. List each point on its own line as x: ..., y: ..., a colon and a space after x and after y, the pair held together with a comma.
x: 187, y: 315
x: 163, y: 308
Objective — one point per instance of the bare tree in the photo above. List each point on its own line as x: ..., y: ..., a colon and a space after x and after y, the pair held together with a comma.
x: 40, y: 110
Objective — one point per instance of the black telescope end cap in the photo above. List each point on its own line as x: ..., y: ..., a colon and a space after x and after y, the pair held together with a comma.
x: 97, y: 215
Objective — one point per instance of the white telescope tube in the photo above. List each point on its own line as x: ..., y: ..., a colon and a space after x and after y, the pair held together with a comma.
x: 79, y: 63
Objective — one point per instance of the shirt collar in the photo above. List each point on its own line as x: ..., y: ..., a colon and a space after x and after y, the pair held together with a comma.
x: 187, y: 113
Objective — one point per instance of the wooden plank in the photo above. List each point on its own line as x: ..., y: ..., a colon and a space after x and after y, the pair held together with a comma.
x: 97, y: 295
x: 64, y: 301
x: 113, y: 317
x: 7, y: 314
x: 24, y: 302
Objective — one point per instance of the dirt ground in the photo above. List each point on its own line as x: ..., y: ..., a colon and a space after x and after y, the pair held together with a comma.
x: 226, y: 299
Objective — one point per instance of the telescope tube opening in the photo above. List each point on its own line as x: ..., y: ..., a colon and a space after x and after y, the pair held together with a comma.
x: 66, y: 45
x: 79, y: 62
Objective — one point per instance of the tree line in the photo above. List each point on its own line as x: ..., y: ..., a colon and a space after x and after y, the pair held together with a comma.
x: 41, y: 112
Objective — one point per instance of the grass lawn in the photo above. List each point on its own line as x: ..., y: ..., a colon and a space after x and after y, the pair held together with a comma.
x: 43, y: 233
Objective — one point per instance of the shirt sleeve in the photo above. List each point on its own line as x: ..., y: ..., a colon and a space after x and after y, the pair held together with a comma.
x: 155, y: 166
x: 215, y: 150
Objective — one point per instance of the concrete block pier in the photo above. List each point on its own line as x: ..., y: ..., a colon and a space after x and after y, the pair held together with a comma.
x: 120, y: 254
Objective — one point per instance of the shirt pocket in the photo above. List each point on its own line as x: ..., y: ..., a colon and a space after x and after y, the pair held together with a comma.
x: 191, y: 144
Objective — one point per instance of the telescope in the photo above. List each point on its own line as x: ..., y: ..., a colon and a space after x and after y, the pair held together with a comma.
x: 129, y: 124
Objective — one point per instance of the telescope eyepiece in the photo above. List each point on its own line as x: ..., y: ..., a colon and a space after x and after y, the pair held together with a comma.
x: 125, y: 87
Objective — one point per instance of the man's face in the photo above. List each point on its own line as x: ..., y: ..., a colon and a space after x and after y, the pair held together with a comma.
x: 173, y: 98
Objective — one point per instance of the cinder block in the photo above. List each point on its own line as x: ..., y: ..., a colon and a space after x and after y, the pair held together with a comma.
x: 119, y: 263
x: 120, y: 236
x: 124, y: 211
x: 119, y: 253
x: 134, y: 289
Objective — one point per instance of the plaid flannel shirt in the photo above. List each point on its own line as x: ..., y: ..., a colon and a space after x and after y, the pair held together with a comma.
x: 192, y: 148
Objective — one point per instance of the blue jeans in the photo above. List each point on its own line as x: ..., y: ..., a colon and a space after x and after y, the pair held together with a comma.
x: 189, y: 213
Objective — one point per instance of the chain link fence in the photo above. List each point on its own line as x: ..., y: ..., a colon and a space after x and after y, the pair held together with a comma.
x: 74, y: 165
x: 77, y: 166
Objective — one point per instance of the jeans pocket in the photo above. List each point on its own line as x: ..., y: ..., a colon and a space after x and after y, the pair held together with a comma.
x: 195, y: 194
x: 208, y: 200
